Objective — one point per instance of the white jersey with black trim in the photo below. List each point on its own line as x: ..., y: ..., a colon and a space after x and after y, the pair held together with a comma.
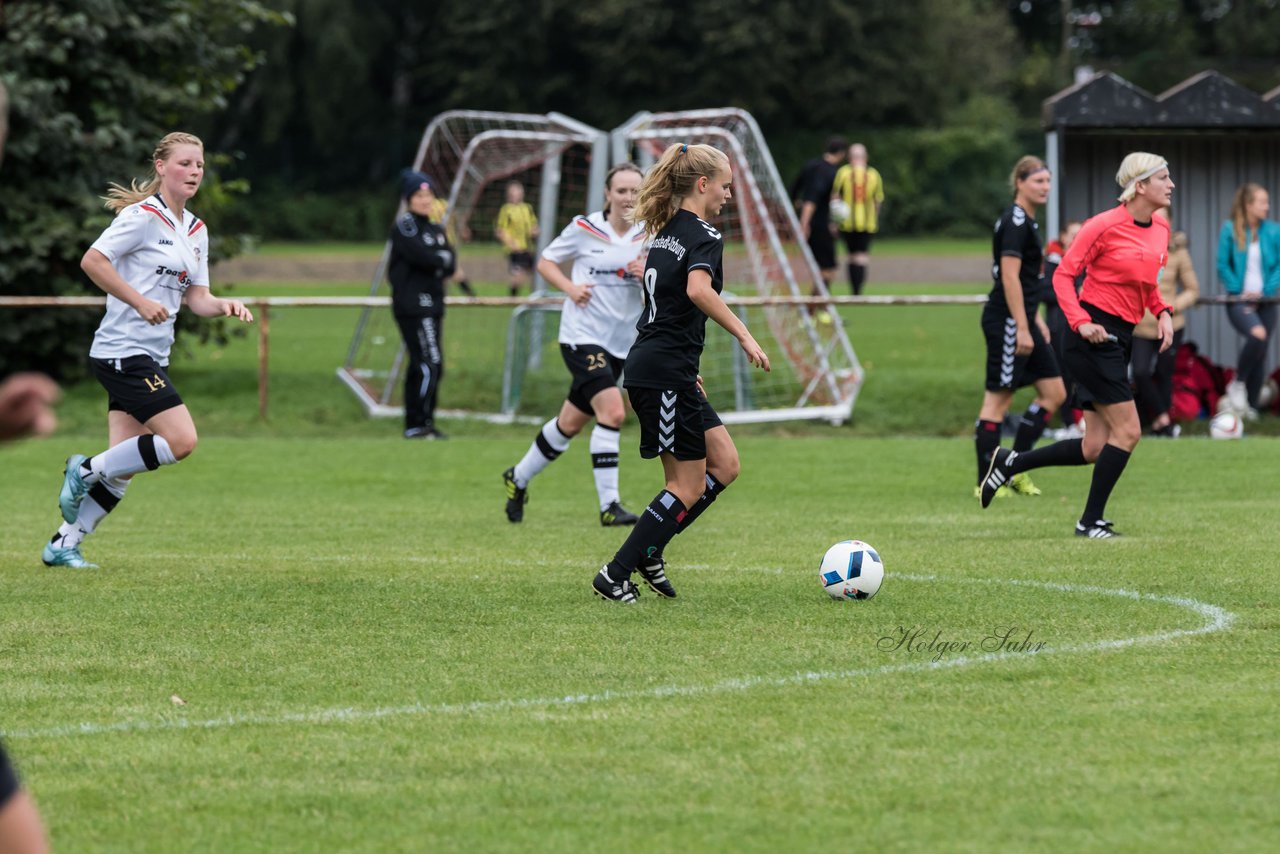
x: 160, y: 255
x: 600, y: 256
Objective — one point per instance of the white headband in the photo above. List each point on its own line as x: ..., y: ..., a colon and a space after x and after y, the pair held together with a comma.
x: 1144, y: 176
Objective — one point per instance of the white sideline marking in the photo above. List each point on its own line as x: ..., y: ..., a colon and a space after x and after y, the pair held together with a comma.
x: 1215, y: 620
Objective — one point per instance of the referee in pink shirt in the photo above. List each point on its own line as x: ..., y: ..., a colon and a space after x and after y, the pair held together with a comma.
x: 1122, y: 251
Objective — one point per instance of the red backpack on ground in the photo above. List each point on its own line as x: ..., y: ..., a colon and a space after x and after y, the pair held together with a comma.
x: 1197, y: 384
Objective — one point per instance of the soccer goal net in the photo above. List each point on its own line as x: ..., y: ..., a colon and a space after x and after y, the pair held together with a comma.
x: 504, y: 359
x: 815, y: 371
x: 472, y: 157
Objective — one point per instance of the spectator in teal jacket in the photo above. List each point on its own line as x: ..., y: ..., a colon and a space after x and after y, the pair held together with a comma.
x: 1249, y: 266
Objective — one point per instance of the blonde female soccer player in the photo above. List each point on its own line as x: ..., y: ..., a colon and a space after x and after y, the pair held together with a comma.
x: 151, y: 259
x: 597, y: 326
x: 683, y: 278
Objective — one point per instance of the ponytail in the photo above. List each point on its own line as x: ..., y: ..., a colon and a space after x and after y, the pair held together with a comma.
x: 670, y: 180
x: 118, y: 198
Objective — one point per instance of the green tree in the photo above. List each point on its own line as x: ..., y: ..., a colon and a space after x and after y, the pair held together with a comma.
x: 93, y: 84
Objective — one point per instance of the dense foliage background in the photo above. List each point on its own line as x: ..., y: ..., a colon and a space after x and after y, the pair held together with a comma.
x: 309, y: 108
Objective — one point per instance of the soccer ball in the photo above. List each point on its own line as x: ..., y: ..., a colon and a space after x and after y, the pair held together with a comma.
x: 851, y: 570
x: 1226, y: 425
x: 840, y: 210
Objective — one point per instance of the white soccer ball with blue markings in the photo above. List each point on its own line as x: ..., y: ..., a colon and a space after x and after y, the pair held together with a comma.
x: 851, y: 570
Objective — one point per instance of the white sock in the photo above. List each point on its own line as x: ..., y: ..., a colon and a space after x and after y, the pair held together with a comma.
x: 547, y: 445
x: 69, y: 535
x: 132, y: 456
x: 100, y: 501
x: 604, y: 463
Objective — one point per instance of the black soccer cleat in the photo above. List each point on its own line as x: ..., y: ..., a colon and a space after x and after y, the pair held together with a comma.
x: 428, y: 432
x: 615, y: 591
x: 616, y: 514
x: 517, y: 497
x: 1100, y: 530
x: 653, y: 571
x: 997, y: 474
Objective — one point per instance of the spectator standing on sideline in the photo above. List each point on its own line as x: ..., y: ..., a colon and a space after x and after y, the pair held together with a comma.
x: 860, y: 187
x: 1249, y: 267
x: 813, y: 189
x: 517, y: 227
x: 1153, y: 370
x: 437, y: 211
x: 421, y: 261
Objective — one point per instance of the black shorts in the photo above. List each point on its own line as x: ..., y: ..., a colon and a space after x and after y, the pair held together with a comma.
x: 857, y: 241
x: 137, y: 385
x: 518, y: 262
x: 823, y: 247
x: 8, y: 779
x: 1101, y: 371
x: 673, y: 422
x: 593, y: 368
x: 1005, y: 370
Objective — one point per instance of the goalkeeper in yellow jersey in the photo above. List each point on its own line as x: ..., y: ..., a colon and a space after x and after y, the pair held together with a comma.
x: 517, y: 228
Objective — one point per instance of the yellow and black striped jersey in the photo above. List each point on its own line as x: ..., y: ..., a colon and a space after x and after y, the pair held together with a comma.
x: 862, y: 190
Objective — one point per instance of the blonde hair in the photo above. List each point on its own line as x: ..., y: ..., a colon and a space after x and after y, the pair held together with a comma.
x: 671, y: 179
x: 1136, y: 167
x: 1239, y: 205
x: 620, y: 167
x: 118, y: 198
x: 1026, y: 166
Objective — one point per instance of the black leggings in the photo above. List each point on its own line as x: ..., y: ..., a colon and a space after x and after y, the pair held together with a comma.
x: 424, y: 367
x: 1153, y: 375
x: 1251, y: 368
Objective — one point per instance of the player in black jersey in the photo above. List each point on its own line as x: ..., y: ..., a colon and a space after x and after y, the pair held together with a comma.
x: 1018, y: 349
x: 683, y: 278
x: 421, y: 261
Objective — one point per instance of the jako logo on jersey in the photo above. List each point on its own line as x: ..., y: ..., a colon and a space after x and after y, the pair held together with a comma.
x: 164, y: 242
x: 670, y: 244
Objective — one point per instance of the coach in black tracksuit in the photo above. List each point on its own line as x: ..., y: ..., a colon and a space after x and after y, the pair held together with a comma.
x: 421, y: 260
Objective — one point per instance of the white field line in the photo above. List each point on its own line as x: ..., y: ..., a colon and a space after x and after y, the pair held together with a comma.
x: 1215, y: 619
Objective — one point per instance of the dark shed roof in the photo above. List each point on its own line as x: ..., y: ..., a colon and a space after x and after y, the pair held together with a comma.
x: 1209, y: 100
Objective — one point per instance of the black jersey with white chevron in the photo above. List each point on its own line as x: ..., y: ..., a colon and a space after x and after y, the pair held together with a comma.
x: 1017, y: 236
x: 671, y: 329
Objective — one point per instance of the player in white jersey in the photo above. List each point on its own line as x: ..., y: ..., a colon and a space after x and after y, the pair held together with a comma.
x: 151, y: 259
x: 597, y: 328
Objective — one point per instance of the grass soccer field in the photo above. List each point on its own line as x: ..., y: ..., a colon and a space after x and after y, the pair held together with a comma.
x: 372, y: 658
x: 369, y: 657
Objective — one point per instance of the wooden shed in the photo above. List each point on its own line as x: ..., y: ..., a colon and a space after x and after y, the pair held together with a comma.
x: 1216, y: 135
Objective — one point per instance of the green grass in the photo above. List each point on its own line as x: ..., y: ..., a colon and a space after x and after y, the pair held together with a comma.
x: 288, y: 588
x: 373, y: 658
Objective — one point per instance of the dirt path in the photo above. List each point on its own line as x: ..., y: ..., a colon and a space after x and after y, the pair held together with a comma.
x: 324, y: 268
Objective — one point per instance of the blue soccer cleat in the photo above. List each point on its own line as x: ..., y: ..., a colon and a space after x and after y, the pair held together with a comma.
x: 74, y: 489
x: 68, y: 557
